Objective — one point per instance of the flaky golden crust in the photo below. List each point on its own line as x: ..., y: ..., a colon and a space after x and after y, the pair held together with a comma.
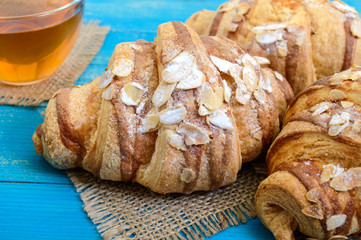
x: 303, y: 39
x: 314, y: 163
x: 173, y: 115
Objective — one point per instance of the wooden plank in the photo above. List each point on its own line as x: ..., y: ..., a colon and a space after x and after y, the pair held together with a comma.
x: 43, y: 211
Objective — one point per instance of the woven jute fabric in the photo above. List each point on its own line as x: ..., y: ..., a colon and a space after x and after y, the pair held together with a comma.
x: 129, y: 211
x: 90, y: 40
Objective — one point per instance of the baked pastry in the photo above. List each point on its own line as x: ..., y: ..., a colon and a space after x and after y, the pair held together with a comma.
x: 314, y: 165
x: 303, y: 39
x: 174, y: 115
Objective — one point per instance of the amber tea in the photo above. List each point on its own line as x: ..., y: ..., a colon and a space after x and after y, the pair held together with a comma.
x: 33, y: 44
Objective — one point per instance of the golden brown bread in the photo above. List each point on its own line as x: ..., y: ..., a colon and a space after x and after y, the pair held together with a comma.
x: 314, y: 165
x: 173, y: 115
x: 303, y: 39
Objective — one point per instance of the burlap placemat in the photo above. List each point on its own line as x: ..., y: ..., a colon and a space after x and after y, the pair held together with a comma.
x: 130, y: 211
x: 90, y: 40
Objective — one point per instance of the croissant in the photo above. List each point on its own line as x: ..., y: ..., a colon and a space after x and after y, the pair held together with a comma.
x: 304, y: 40
x: 173, y: 115
x: 314, y: 165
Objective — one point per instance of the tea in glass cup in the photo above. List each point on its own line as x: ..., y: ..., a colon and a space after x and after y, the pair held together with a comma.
x: 35, y: 37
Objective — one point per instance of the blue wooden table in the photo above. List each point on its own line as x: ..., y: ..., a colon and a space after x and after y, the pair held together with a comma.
x: 39, y: 202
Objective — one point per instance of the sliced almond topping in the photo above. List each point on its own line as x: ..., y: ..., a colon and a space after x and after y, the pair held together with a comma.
x: 313, y: 211
x: 337, y: 129
x: 233, y: 27
x: 176, y: 140
x: 188, y: 175
x: 105, y: 79
x: 265, y: 84
x: 220, y: 119
x: 356, y: 28
x: 236, y: 72
x: 268, y: 37
x: 173, y: 115
x: 135, y: 47
x: 193, y: 80
x: 346, y: 104
x: 212, y: 100
x: 248, y: 60
x: 162, y: 93
x: 250, y: 78
x: 242, y: 97
x: 262, y: 60
x: 258, y: 135
x: 347, y: 180
x: 312, y: 195
x: 343, y: 7
x: 270, y: 27
x: 221, y: 64
x: 320, y: 108
x: 339, y: 119
x: 179, y: 68
x: 225, y: 7
x: 149, y: 123
x: 132, y: 93
x: 355, y: 75
x: 260, y: 96
x: 141, y: 106
x: 193, y: 135
x: 327, y: 173
x: 227, y: 91
x: 338, y: 237
x: 107, y: 94
x: 335, y: 221
x: 336, y: 94
x: 242, y: 8
x: 282, y: 49
x: 122, y: 67
x: 279, y: 76
x: 203, y: 111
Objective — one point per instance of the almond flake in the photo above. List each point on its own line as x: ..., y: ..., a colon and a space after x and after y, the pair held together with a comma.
x: 268, y: 37
x: 337, y: 129
x: 260, y: 96
x: 203, y: 111
x: 265, y: 84
x: 220, y: 119
x: 193, y: 80
x: 225, y: 7
x: 270, y: 27
x: 335, y: 221
x: 135, y: 47
x: 193, y: 135
x: 162, y: 93
x: 250, y: 78
x: 339, y: 119
x: 141, y: 106
x: 346, y: 104
x: 233, y: 27
x: 248, y: 60
x: 279, y: 76
x: 312, y: 195
x: 347, y: 180
x: 188, y: 175
x: 176, y: 140
x: 355, y: 75
x: 236, y: 72
x: 227, y: 91
x: 242, y: 97
x: 132, y: 93
x: 179, y: 68
x: 221, y: 64
x: 212, y: 100
x: 282, y: 49
x: 122, y: 67
x: 105, y: 79
x: 149, y: 123
x: 258, y: 135
x: 356, y: 28
x: 262, y: 60
x: 336, y: 94
x: 320, y: 108
x: 338, y: 237
x: 327, y: 173
x: 343, y: 7
x: 313, y: 211
x: 107, y: 94
x: 242, y: 8
x: 173, y: 115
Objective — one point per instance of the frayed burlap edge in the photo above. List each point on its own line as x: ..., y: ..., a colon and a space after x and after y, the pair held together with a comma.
x: 130, y: 211
x: 90, y: 40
